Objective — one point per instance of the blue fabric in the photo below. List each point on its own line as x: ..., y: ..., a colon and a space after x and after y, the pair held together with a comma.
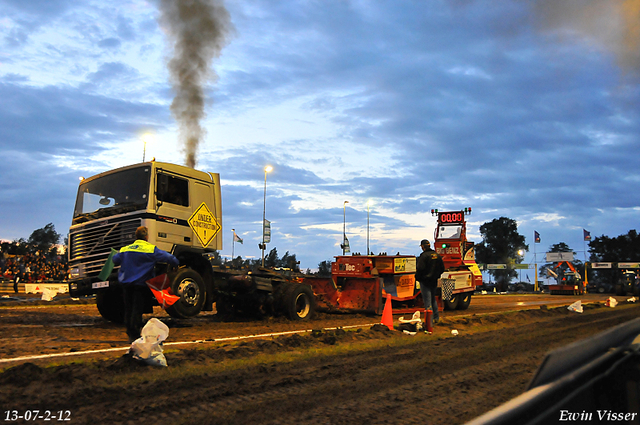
x: 430, y: 302
x: 137, y: 262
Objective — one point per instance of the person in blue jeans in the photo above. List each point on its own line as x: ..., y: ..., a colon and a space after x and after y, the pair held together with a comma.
x: 137, y: 265
x: 429, y: 267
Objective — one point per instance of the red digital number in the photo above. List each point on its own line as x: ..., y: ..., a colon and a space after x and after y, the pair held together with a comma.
x: 456, y: 217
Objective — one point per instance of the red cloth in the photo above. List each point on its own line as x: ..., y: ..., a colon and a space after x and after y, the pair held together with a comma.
x: 161, y: 288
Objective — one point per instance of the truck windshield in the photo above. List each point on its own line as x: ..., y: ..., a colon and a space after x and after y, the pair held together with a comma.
x: 112, y: 194
x: 450, y: 232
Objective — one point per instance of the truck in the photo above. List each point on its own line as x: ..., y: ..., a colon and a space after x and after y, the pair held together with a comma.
x: 628, y: 283
x: 462, y: 275
x: 363, y: 282
x: 182, y: 209
x: 568, y: 280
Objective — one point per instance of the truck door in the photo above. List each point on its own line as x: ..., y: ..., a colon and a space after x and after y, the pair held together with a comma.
x: 174, y: 209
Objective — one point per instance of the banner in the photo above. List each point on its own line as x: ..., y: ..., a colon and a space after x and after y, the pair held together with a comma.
x: 600, y: 265
x: 267, y: 231
x: 553, y: 257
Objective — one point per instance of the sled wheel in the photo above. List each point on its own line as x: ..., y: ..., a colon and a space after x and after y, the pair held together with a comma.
x: 452, y: 304
x: 464, y: 300
x: 189, y: 286
x: 110, y: 303
x: 298, y: 302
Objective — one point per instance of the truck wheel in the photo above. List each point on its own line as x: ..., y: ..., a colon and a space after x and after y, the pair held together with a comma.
x: 464, y: 300
x: 189, y: 286
x: 452, y: 304
x: 299, y: 302
x: 110, y: 303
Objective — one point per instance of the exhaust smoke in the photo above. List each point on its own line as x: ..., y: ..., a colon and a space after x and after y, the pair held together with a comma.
x: 198, y: 30
x: 612, y: 24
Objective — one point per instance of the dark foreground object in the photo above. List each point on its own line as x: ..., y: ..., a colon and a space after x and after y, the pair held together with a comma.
x: 597, y: 379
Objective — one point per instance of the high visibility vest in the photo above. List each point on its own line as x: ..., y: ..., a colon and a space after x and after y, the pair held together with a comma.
x: 139, y: 246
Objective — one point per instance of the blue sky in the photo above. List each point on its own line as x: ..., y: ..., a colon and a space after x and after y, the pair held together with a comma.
x: 522, y: 109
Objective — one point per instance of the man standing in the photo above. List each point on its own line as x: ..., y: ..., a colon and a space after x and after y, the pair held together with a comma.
x: 137, y: 262
x: 429, y: 267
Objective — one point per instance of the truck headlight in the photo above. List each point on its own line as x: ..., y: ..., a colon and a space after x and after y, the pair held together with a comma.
x: 76, y: 272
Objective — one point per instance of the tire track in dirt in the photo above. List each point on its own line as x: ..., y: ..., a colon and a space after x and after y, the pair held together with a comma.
x: 368, y: 388
x: 448, y: 380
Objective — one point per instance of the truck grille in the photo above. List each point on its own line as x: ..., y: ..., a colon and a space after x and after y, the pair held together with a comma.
x: 91, y: 246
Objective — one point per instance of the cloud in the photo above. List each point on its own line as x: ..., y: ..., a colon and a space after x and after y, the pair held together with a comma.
x: 59, y: 119
x: 517, y: 109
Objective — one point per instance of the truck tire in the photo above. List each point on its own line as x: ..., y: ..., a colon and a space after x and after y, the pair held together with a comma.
x: 189, y: 286
x: 452, y: 304
x: 110, y: 303
x: 464, y: 300
x: 299, y: 302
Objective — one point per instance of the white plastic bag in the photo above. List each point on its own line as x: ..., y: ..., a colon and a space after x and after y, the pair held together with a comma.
x: 409, y: 324
x: 611, y: 302
x: 576, y: 306
x: 148, y: 347
x: 48, y: 294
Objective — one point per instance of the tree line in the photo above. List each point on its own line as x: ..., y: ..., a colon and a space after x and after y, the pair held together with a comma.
x: 501, y: 244
x: 42, y: 241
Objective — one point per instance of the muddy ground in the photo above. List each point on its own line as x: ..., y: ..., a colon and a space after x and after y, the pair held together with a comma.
x: 354, y: 375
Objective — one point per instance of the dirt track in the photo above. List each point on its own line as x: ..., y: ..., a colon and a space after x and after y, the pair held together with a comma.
x: 364, y: 376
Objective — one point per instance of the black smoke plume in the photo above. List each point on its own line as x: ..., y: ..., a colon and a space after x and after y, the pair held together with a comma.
x: 198, y: 30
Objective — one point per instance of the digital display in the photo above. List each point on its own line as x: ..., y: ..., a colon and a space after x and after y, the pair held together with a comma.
x: 451, y: 217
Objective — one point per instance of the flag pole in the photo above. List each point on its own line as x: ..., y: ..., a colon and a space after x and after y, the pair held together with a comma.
x: 233, y: 245
x: 535, y: 262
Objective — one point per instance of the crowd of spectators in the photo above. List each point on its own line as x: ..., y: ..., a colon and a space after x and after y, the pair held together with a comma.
x: 32, y: 268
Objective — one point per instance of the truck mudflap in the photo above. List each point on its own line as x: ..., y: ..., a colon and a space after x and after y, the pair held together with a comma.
x: 593, y: 380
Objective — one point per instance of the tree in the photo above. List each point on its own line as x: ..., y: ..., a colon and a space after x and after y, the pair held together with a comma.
x: 271, y: 260
x: 500, y: 245
x: 623, y: 248
x: 43, y: 239
x: 324, y: 268
x: 289, y: 261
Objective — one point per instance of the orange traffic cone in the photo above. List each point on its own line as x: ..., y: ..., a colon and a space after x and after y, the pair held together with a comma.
x: 387, y: 317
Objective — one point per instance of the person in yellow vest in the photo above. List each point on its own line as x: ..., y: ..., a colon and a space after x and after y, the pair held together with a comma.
x: 137, y: 263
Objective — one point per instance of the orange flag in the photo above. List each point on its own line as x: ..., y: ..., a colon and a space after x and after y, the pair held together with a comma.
x: 160, y: 286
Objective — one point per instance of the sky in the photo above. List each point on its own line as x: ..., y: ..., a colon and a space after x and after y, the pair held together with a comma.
x: 520, y: 109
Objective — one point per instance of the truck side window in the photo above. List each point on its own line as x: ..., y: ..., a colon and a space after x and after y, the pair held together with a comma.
x: 173, y: 190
